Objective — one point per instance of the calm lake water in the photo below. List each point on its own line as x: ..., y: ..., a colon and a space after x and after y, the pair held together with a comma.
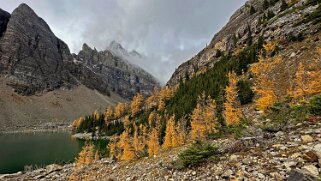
x: 21, y: 149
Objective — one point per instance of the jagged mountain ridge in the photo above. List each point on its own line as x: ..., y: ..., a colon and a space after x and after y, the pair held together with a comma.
x: 269, y: 19
x: 121, y: 76
x: 37, y: 61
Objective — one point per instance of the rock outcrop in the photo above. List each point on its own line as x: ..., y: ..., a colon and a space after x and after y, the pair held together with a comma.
x: 32, y: 55
x: 121, y: 76
x: 273, y: 20
x: 4, y: 19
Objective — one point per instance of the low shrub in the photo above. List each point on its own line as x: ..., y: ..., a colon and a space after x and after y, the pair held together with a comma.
x: 315, y: 105
x: 197, y: 153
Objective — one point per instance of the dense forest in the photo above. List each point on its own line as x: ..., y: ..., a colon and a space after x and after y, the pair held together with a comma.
x: 208, y: 104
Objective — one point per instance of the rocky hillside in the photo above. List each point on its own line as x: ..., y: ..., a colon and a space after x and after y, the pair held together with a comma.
x: 34, y: 62
x: 120, y: 76
x: 50, y: 110
x: 282, y: 21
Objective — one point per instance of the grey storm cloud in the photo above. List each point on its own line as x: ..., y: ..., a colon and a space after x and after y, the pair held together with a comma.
x: 168, y: 32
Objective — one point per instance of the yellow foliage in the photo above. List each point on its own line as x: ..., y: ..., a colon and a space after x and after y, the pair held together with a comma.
x: 73, y: 177
x: 151, y: 118
x: 139, y: 140
x: 109, y: 114
x: 170, y: 139
x: 124, y: 144
x: 161, y: 105
x: 86, y: 156
x: 126, y: 123
x: 119, y: 110
x: 307, y: 81
x: 96, y: 115
x: 96, y: 156
x: 166, y: 93
x: 204, y: 119
x: 264, y: 85
x: 181, y: 132
x: 270, y: 47
x: 232, y: 112
x: 137, y: 104
x: 112, y: 148
x: 198, y: 128
x: 153, y: 143
x: 78, y: 122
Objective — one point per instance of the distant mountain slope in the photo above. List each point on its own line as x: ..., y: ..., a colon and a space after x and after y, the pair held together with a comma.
x: 35, y: 64
x: 282, y: 21
x: 56, y: 107
x: 113, y: 66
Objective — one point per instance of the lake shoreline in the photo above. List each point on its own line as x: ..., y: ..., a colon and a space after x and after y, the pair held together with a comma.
x: 38, y: 129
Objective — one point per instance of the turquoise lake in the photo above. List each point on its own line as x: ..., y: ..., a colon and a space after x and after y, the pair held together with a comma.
x: 37, y: 149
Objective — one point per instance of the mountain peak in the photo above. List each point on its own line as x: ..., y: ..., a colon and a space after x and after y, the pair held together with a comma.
x: 135, y: 54
x: 25, y: 9
x: 4, y: 19
x: 86, y: 47
x: 115, y: 45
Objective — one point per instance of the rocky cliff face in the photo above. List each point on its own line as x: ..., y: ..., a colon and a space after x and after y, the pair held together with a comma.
x: 4, y: 19
x: 32, y: 55
x: 122, y: 77
x: 37, y: 61
x: 273, y: 20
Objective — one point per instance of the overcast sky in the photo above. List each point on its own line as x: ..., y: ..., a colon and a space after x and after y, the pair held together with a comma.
x: 168, y: 32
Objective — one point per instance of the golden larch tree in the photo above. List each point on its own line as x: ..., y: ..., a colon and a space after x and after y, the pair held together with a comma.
x: 307, y: 81
x: 198, y: 127
x: 119, y: 110
x: 112, y: 146
x: 181, y: 132
x: 151, y: 101
x: 86, y: 156
x: 78, y: 122
x: 264, y: 84
x: 210, y: 118
x: 161, y: 105
x: 138, y: 142
x: 126, y: 123
x: 151, y: 119
x: 153, y: 142
x: 232, y: 112
x: 170, y: 139
x: 136, y: 104
x: 96, y: 115
x: 109, y: 114
x: 203, y: 117
x: 124, y: 144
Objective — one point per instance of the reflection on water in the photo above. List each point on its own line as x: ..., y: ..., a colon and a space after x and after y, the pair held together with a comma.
x: 40, y: 149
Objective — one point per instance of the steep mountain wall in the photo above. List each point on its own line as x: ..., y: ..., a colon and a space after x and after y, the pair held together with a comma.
x: 273, y: 20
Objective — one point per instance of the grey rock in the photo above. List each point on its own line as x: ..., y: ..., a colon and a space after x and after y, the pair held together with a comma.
x: 120, y: 76
x: 227, y: 173
x: 4, y: 19
x: 53, y: 168
x: 298, y: 175
x: 32, y: 54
